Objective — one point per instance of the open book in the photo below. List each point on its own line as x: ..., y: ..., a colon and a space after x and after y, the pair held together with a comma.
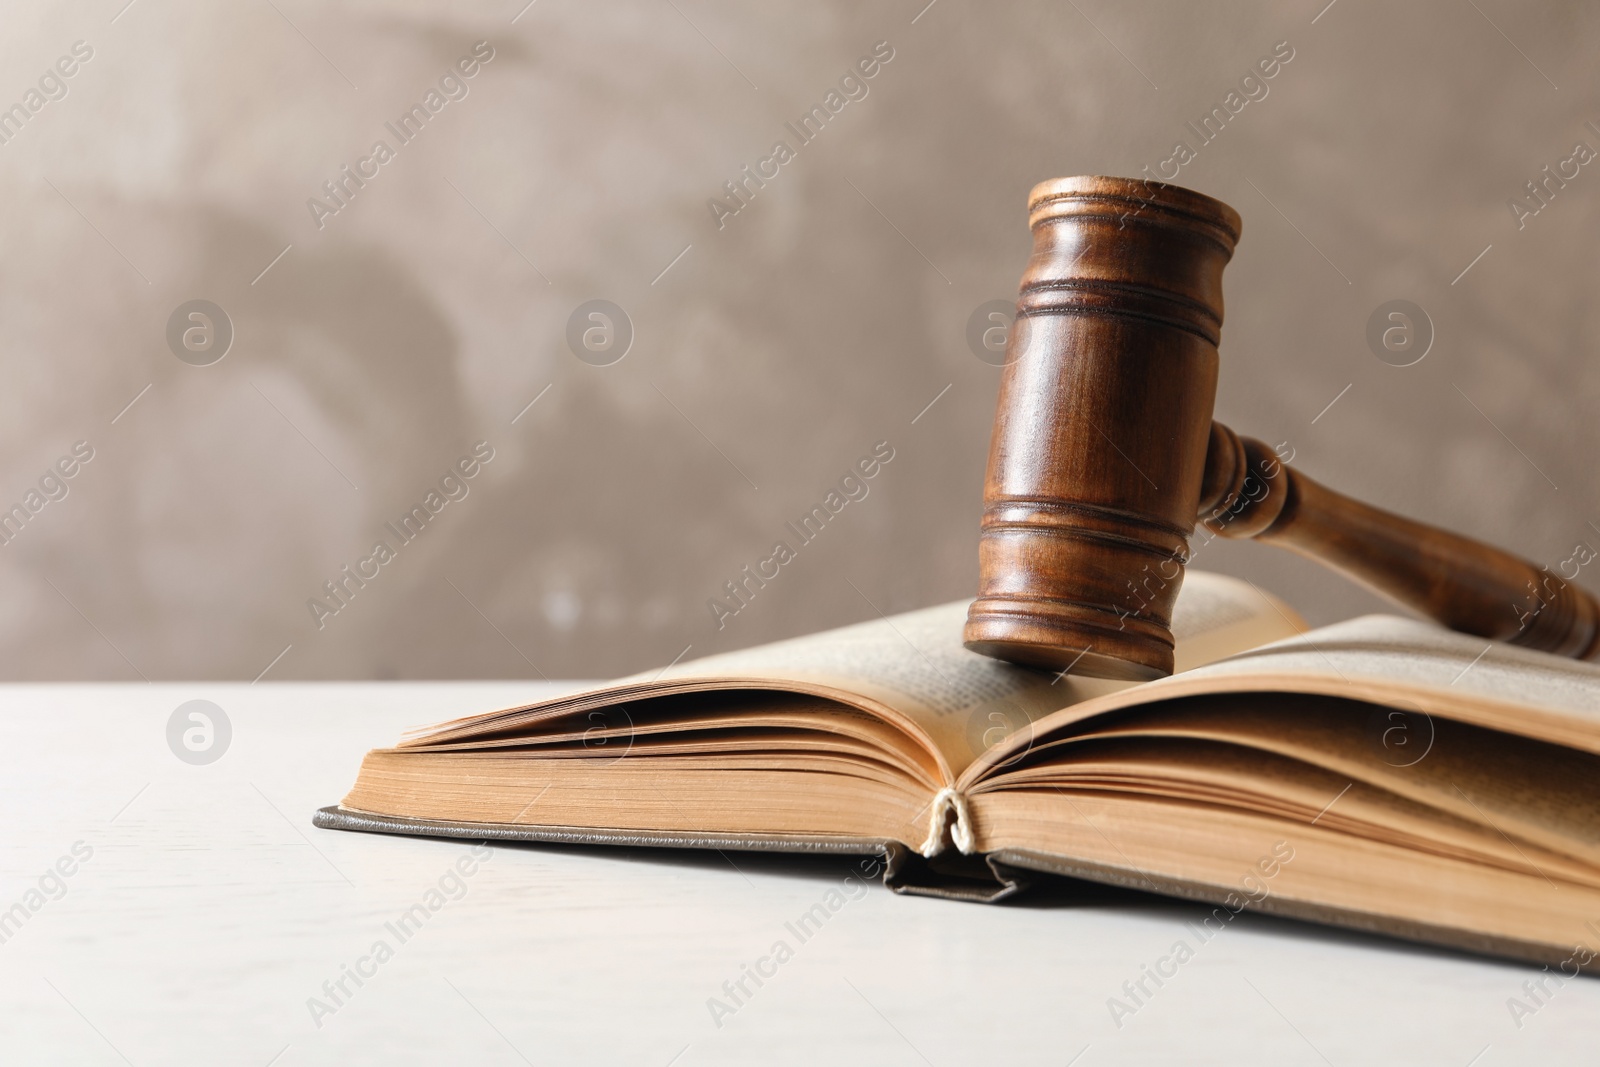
x: 1380, y: 773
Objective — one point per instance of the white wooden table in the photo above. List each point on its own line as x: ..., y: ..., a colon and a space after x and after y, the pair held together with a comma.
x: 209, y: 912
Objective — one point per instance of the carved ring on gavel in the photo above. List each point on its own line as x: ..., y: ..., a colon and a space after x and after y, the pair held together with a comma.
x: 1105, y: 456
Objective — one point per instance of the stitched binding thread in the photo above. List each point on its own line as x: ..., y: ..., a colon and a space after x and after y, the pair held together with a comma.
x: 961, y: 833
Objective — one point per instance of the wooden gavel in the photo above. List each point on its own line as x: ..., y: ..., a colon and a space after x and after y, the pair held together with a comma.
x: 1104, y: 457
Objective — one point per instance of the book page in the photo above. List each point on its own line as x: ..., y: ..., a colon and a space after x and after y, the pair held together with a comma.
x: 966, y: 703
x: 1416, y: 667
x: 1399, y: 661
x: 1535, y: 792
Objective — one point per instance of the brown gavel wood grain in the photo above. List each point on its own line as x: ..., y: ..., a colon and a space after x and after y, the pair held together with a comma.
x: 1104, y: 457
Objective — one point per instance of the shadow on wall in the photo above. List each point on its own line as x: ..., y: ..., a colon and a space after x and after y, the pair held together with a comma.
x: 221, y: 497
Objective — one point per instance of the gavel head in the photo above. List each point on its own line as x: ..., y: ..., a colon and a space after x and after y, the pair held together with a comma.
x: 1100, y: 438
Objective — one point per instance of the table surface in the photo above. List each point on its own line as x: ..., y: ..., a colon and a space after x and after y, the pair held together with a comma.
x: 209, y: 914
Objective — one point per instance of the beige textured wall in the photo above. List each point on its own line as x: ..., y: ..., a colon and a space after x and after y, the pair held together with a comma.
x: 822, y: 318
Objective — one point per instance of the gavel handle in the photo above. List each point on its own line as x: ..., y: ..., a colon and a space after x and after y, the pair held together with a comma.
x: 1248, y: 492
